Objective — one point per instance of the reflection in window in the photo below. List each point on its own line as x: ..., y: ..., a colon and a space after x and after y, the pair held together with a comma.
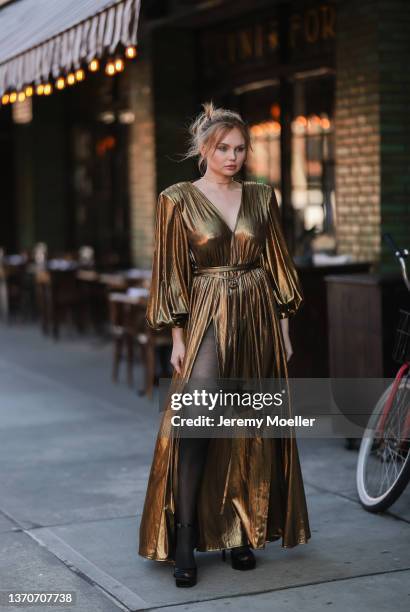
x: 263, y: 161
x: 312, y: 166
x: 312, y: 171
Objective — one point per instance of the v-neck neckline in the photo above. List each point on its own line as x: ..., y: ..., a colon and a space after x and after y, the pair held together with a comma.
x: 217, y: 209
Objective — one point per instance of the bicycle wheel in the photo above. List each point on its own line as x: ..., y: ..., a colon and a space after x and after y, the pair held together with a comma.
x: 383, y: 466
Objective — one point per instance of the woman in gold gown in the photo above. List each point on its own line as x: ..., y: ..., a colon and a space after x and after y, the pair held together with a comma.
x: 224, y: 281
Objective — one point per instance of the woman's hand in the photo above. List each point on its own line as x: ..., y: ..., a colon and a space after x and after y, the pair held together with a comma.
x: 286, y: 340
x: 178, y: 348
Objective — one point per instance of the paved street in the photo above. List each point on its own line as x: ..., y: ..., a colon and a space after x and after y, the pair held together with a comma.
x: 75, y: 452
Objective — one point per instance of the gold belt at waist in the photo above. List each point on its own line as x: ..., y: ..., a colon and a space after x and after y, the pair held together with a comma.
x: 232, y: 268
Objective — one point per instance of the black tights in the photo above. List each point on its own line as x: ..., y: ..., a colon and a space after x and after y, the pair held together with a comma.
x: 192, y: 457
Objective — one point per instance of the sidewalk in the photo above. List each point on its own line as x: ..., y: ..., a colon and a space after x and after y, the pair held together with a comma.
x: 75, y: 453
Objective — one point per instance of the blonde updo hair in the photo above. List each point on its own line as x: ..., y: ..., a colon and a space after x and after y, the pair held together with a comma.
x: 209, y: 127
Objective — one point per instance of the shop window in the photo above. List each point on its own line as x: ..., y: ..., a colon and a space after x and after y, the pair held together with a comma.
x: 263, y: 162
x: 311, y: 160
x: 312, y: 171
x: 261, y: 110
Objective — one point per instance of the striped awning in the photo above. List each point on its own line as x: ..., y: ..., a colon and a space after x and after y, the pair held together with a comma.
x: 42, y: 39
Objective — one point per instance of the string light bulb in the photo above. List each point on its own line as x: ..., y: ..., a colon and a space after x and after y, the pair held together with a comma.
x: 110, y: 68
x: 130, y: 52
x: 94, y: 65
x: 119, y: 64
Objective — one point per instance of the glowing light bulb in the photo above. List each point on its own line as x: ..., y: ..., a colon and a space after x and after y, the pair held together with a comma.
x: 47, y: 89
x: 131, y: 52
x: 13, y: 97
x: 94, y: 65
x: 40, y: 89
x: 60, y: 83
x: 5, y: 99
x: 21, y: 97
x: 80, y: 75
x: 71, y: 78
x: 110, y: 68
x: 29, y: 91
x: 119, y: 64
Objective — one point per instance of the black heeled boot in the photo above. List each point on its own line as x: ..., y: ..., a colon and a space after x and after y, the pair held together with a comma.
x: 242, y: 558
x: 185, y: 576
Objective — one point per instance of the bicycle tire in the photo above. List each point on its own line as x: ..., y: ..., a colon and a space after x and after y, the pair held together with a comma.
x: 383, y: 502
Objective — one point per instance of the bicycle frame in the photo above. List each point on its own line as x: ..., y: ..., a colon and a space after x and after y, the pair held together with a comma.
x: 401, y: 255
x: 388, y: 405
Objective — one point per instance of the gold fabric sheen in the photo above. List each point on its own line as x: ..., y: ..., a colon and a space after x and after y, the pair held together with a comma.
x: 241, y: 282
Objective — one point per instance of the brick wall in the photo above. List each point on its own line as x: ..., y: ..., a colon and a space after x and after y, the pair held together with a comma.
x: 142, y: 171
x: 357, y: 131
x: 372, y: 127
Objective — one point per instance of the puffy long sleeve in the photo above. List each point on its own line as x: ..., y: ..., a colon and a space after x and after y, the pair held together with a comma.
x: 279, y: 264
x: 168, y: 300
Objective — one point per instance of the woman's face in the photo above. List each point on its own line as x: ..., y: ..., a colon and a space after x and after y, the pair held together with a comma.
x: 229, y: 154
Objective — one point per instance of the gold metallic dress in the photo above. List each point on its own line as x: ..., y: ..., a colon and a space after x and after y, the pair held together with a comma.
x: 241, y: 282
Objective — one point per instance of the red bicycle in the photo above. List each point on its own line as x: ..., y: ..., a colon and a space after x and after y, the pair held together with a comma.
x: 383, y: 466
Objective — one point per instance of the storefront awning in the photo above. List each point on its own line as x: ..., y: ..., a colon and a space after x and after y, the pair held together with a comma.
x: 43, y: 39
